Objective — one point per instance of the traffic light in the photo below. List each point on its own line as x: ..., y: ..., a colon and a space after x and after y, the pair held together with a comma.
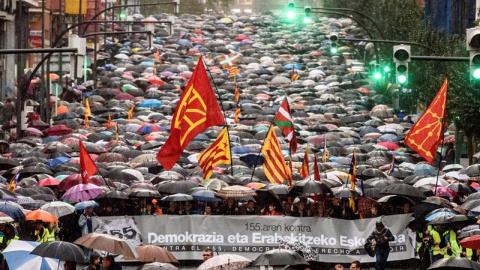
x: 122, y: 15
x: 377, y: 74
x: 333, y: 46
x: 387, y: 69
x: 401, y: 57
x: 307, y: 18
x: 473, y: 46
x: 290, y: 11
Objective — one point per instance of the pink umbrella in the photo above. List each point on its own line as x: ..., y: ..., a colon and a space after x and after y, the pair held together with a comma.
x: 445, y: 192
x: 82, y: 192
x: 30, y: 131
x: 49, y: 182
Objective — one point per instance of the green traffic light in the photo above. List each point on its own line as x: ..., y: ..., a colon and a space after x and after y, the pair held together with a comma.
x: 402, y: 79
x: 387, y: 69
x: 290, y: 15
x: 476, y: 73
x: 377, y: 75
x: 307, y: 20
x: 122, y: 15
x: 333, y: 50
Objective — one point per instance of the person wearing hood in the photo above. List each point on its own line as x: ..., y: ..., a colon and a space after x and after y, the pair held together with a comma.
x: 379, y: 239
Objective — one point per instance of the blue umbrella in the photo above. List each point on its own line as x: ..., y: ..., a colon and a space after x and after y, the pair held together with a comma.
x: 289, y: 66
x: 85, y: 204
x: 150, y: 103
x: 368, y: 129
x: 388, y: 138
x: 58, y: 161
x: 205, y: 196
x: 252, y: 158
x: 18, y: 257
x: 438, y: 214
x: 13, y: 210
x: 50, y: 139
x: 240, y: 150
x: 424, y: 169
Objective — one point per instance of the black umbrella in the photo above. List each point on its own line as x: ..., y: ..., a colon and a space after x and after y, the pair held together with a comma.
x: 310, y: 187
x: 279, y: 257
x: 61, y: 250
x: 454, y: 263
x: 404, y: 190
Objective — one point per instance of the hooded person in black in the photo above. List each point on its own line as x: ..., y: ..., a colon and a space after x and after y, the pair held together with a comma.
x: 379, y: 240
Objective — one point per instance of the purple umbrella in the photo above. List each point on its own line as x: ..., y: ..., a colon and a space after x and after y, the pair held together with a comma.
x: 82, y: 192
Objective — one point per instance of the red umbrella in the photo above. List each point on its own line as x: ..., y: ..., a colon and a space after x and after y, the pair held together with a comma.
x: 76, y: 179
x: 124, y: 96
x: 49, y: 182
x: 70, y: 141
x: 58, y: 130
x: 364, y: 90
x: 156, y: 81
x: 472, y: 242
x: 389, y: 145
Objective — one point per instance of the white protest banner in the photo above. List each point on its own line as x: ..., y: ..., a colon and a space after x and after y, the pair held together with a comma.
x: 333, y: 240
x: 123, y: 228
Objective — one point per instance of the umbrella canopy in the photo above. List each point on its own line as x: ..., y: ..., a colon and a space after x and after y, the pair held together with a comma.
x: 279, y: 257
x: 225, y: 261
x: 82, y: 192
x: 40, y: 215
x: 235, y: 192
x: 151, y: 253
x: 18, y: 257
x: 107, y: 243
x: 454, y: 263
x: 58, y: 209
x: 157, y: 266
x: 61, y: 250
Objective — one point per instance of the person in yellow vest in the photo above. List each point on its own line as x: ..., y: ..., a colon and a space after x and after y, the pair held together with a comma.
x: 3, y: 238
x: 437, y: 252
x: 52, y: 230
x: 466, y: 253
x: 40, y: 232
x: 10, y: 233
x: 452, y: 249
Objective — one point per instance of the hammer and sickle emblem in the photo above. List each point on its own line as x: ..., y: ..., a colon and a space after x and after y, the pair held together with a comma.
x: 192, y: 113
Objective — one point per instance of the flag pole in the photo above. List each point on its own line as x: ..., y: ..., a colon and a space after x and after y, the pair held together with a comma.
x: 439, y: 164
x: 260, y: 152
x: 223, y: 110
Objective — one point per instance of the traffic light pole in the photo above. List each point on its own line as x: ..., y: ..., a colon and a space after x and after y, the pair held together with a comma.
x: 440, y: 58
x: 357, y: 21
x: 390, y: 42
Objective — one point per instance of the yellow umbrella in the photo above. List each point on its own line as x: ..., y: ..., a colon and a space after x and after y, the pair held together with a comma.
x: 226, y: 20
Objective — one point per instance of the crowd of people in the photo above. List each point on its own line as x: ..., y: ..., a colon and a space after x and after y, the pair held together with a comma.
x: 334, y: 109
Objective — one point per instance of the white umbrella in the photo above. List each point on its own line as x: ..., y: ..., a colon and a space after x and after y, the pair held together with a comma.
x: 225, y: 261
x: 58, y: 209
x: 431, y: 181
x: 18, y: 257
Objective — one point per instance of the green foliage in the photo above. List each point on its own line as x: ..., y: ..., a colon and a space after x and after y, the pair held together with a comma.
x: 403, y: 20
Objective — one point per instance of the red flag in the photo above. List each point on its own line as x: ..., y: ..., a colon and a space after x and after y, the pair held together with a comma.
x: 284, y: 120
x: 316, y: 171
x: 305, y: 170
x: 87, y: 166
x: 196, y: 110
x: 425, y: 136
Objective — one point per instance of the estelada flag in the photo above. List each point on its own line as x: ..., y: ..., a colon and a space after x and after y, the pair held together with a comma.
x: 237, y: 92
x: 88, y: 112
x: 425, y: 136
x: 130, y: 112
x: 196, y: 110
x: 85, y: 121
x: 274, y: 165
x: 217, y: 153
x: 13, y: 182
x: 294, y: 75
x: 87, y: 166
x: 284, y: 120
x: 238, y: 112
x: 305, y: 170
